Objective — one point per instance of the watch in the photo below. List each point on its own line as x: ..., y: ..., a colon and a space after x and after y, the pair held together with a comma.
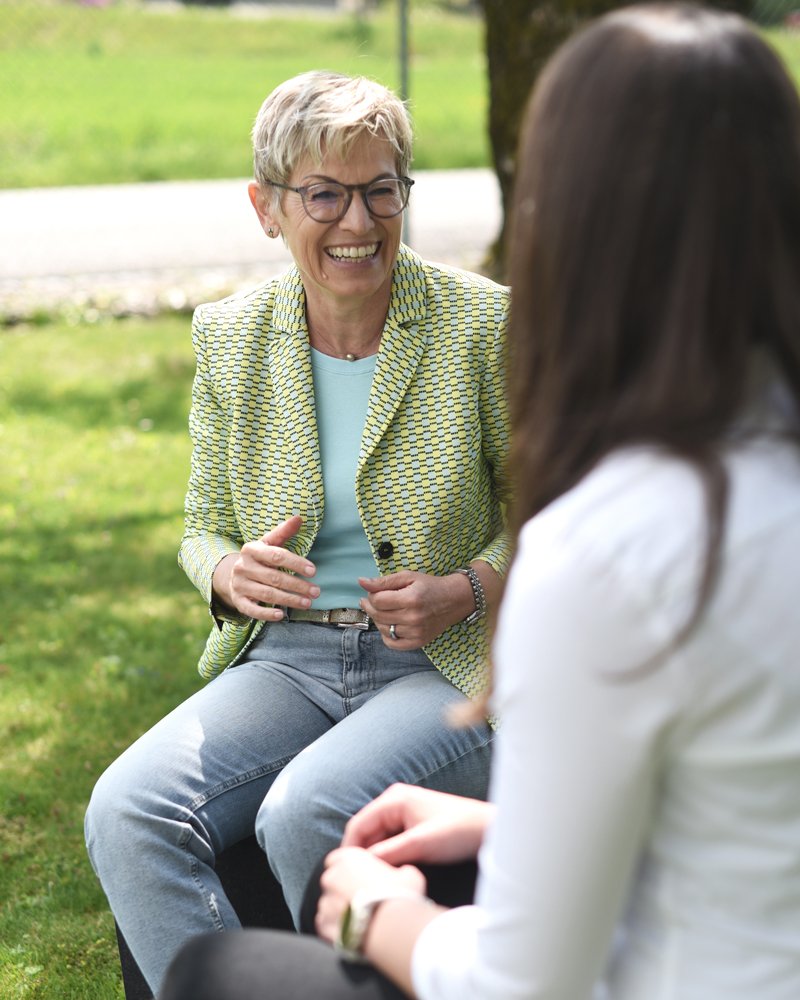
x: 357, y: 917
x: 477, y: 592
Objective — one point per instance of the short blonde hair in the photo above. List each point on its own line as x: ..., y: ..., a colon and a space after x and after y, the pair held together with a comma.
x: 320, y: 112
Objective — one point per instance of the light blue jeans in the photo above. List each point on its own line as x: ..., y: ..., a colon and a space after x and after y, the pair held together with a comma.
x: 314, y: 723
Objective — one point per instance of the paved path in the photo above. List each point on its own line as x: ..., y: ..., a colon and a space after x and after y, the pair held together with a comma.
x: 144, y: 247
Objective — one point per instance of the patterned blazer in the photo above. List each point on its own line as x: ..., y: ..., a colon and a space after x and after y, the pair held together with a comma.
x: 431, y: 484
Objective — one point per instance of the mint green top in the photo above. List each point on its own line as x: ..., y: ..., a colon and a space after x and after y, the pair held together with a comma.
x: 341, y: 551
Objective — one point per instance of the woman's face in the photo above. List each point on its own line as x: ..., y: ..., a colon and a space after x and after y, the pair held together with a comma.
x: 350, y: 260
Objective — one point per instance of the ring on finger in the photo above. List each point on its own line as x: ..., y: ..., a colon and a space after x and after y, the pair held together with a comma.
x: 393, y: 633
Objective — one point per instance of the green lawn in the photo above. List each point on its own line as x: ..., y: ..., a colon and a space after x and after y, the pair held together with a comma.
x: 127, y: 93
x: 101, y: 630
x: 131, y: 93
x: 787, y: 44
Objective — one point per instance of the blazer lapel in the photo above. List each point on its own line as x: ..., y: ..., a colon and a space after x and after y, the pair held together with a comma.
x: 283, y: 384
x: 402, y: 347
x: 289, y: 430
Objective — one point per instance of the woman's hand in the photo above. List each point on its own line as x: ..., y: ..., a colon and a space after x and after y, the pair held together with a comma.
x: 264, y: 572
x: 410, y: 824
x: 348, y: 869
x: 419, y: 605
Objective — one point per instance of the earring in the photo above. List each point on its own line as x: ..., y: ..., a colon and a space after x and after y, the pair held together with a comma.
x: 270, y: 232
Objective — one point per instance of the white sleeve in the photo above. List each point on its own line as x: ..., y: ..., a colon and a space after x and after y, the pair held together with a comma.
x: 573, y: 774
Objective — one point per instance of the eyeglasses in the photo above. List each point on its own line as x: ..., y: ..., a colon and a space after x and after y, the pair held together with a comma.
x: 328, y: 201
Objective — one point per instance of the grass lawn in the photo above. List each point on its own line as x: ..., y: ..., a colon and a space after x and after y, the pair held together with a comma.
x: 131, y: 93
x: 135, y: 92
x: 787, y: 44
x: 101, y: 630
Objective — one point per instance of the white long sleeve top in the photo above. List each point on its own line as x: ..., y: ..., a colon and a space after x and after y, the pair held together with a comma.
x: 647, y: 838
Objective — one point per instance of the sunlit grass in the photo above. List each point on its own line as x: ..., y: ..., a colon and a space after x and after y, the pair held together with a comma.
x: 101, y: 630
x: 126, y: 94
x: 787, y: 44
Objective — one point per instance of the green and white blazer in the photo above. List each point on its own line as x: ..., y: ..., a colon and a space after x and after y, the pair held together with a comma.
x: 431, y: 482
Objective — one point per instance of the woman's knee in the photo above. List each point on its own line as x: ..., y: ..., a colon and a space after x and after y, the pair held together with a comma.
x: 123, y: 809
x: 103, y: 815
x: 466, y: 772
x: 194, y: 969
x: 291, y: 808
x: 315, y: 795
x: 251, y: 964
x: 303, y: 816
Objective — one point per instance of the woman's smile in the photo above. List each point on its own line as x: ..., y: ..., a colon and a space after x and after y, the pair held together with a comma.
x: 353, y: 253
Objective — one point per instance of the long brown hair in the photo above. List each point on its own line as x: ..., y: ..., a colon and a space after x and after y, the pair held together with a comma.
x: 655, y: 242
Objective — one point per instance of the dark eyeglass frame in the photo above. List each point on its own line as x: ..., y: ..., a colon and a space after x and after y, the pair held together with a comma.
x: 350, y: 190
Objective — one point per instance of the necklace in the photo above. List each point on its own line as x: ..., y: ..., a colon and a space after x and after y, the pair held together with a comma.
x: 349, y: 356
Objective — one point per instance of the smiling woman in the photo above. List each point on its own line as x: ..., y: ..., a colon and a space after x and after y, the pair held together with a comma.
x: 344, y: 249
x: 344, y: 521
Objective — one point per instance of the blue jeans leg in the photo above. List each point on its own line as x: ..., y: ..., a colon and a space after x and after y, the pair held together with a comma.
x: 194, y: 784
x: 186, y: 790
x: 398, y: 732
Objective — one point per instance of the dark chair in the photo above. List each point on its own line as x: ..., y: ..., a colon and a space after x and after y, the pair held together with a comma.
x: 257, y: 898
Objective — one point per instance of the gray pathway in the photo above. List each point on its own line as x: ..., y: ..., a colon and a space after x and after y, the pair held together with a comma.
x: 145, y: 247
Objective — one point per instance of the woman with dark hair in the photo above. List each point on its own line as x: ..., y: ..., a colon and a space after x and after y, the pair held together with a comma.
x: 643, y: 836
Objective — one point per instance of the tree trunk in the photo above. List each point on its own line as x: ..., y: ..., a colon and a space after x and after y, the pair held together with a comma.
x: 521, y: 35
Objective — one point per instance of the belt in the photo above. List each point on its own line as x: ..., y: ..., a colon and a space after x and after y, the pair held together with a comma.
x: 343, y: 617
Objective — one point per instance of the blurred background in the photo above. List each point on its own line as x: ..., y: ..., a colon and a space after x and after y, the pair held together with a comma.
x: 117, y: 92
x: 124, y: 159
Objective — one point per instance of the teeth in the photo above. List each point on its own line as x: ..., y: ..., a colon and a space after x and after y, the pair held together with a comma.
x: 353, y: 252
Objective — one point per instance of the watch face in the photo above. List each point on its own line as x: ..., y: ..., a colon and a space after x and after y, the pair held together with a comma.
x: 356, y: 919
x: 351, y: 933
x: 346, y: 930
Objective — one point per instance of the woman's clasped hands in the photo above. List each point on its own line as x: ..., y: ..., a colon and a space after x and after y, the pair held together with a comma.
x: 383, y: 842
x: 264, y: 577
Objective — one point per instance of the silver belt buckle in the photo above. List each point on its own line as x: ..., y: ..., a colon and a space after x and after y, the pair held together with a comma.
x: 363, y: 625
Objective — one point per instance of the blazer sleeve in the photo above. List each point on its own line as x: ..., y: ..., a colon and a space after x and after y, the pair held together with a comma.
x: 211, y: 530
x: 495, y: 432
